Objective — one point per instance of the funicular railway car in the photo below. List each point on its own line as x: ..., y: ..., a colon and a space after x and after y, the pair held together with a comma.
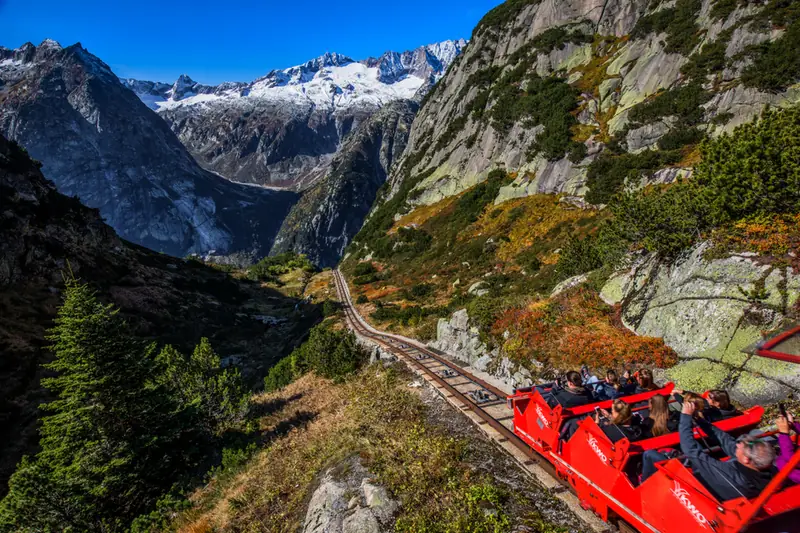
x: 605, y: 474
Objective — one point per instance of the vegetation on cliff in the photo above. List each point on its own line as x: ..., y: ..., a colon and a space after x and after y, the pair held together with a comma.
x: 328, y: 352
x: 754, y: 172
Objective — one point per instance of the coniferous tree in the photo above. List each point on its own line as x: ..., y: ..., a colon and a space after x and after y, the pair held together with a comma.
x: 106, y: 438
x: 214, y: 395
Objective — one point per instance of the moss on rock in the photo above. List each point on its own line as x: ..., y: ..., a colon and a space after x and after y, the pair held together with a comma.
x: 699, y: 375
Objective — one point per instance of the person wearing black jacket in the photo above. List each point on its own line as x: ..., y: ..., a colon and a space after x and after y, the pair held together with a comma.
x: 746, y: 473
x: 619, y: 423
x: 573, y: 394
x: 719, y: 406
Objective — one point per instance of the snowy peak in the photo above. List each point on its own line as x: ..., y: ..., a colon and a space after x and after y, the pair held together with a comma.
x: 50, y: 43
x: 447, y: 51
x: 327, y: 59
x: 183, y: 87
x: 15, y: 63
x: 330, y: 81
x: 425, y: 62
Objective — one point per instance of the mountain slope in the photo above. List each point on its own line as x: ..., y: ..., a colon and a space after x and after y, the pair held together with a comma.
x: 45, y: 235
x: 558, y: 90
x: 495, y: 216
x: 98, y: 141
x: 283, y: 129
x: 331, y: 212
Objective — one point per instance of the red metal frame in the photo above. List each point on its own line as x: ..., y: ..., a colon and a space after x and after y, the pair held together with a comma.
x: 670, y: 501
x: 539, y: 425
x: 766, y: 350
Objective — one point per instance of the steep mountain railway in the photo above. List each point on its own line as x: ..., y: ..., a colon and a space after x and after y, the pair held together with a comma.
x: 589, y: 472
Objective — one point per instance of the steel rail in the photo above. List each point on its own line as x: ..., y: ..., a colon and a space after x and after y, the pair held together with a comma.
x: 389, y: 340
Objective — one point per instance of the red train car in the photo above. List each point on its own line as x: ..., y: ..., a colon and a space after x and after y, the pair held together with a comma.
x: 604, y: 475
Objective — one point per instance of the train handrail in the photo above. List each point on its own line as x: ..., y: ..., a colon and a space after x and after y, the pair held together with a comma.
x: 750, y: 417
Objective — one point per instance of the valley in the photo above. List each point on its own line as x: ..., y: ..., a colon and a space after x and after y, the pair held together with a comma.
x: 242, y: 306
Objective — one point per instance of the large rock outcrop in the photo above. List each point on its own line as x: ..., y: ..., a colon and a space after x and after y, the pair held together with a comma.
x: 99, y: 142
x: 347, y: 500
x: 709, y: 311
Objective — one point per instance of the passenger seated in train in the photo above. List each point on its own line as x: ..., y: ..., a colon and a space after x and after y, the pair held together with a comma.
x: 619, y: 423
x: 659, y: 420
x: 607, y: 389
x: 651, y: 457
x: 717, y: 407
x: 746, y: 473
x: 642, y: 381
x: 571, y: 394
x: 785, y: 425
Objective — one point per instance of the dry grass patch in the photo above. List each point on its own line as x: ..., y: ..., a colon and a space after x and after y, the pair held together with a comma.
x: 269, y: 493
x: 321, y: 287
x: 524, y: 222
x: 373, y: 416
x: 422, y: 214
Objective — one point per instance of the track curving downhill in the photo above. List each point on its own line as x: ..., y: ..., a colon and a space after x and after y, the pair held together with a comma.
x: 483, y: 403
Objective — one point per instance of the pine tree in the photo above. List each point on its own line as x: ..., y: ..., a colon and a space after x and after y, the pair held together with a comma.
x: 105, y: 438
x: 214, y: 395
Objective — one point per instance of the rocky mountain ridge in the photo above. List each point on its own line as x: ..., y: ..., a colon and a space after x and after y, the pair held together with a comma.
x: 331, y: 212
x: 99, y: 142
x: 283, y: 129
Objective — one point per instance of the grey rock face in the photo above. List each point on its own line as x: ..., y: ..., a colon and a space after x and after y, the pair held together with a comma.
x: 459, y: 340
x: 326, y: 508
x: 98, y: 141
x: 329, y: 214
x: 704, y: 310
x: 642, y: 138
x: 348, y: 501
x: 361, y: 521
x: 614, y: 75
x: 467, y: 163
x: 265, y: 142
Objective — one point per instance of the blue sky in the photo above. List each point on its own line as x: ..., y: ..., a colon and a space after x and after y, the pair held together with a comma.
x: 229, y: 40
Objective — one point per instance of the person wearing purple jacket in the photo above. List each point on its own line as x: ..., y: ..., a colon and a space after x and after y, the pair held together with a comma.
x: 786, y: 445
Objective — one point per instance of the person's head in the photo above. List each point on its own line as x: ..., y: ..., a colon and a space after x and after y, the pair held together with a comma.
x: 659, y: 413
x: 621, y: 414
x: 644, y: 378
x: 574, y: 379
x: 719, y: 399
x: 697, y: 400
x: 754, y: 453
x: 611, y: 378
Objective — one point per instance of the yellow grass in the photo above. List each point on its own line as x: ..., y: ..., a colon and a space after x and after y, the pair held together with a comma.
x: 422, y: 214
x: 524, y: 221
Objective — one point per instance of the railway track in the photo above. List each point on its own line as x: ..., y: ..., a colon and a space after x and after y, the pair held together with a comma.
x: 480, y: 401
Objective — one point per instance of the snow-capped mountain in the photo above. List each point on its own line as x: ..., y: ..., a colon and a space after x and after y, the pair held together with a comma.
x: 98, y: 141
x: 285, y: 128
x: 331, y: 81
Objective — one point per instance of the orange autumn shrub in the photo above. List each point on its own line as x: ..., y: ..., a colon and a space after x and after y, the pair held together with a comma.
x: 772, y: 235
x: 573, y: 329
